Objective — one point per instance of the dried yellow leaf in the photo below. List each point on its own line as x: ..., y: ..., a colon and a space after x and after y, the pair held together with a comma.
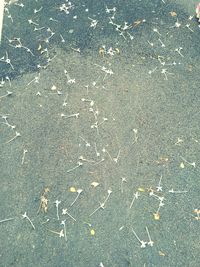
x: 39, y: 47
x: 196, y: 211
x: 101, y: 51
x: 94, y: 184
x: 182, y: 166
x: 141, y: 189
x: 156, y: 216
x: 72, y: 189
x: 117, y: 50
x: 92, y: 232
x: 161, y: 253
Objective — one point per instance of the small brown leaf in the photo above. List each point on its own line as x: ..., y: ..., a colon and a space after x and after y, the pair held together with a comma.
x: 136, y: 23
x: 173, y: 13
